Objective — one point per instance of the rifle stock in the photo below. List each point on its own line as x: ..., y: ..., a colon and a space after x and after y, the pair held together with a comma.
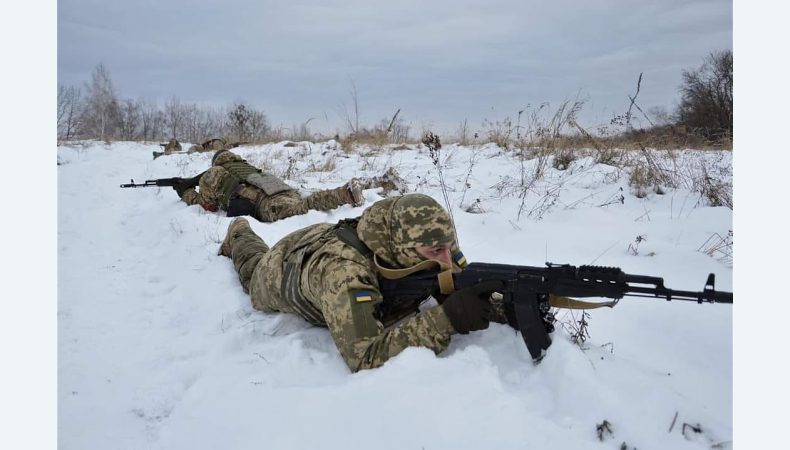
x: 528, y: 289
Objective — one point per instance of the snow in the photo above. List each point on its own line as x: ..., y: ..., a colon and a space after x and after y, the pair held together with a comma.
x: 159, y: 347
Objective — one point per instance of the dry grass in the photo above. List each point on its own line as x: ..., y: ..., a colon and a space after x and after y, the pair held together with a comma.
x: 350, y: 143
x: 716, y: 192
x: 563, y: 159
x: 656, y: 170
x: 719, y: 247
x: 327, y: 166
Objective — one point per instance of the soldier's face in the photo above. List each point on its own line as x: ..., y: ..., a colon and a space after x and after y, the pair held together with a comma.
x: 439, y: 253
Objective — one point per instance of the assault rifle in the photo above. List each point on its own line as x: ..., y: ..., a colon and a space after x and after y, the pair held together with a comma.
x: 184, y: 183
x: 526, y: 292
x: 162, y: 182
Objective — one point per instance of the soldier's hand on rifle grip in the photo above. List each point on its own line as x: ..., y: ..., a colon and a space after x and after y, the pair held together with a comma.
x: 470, y: 309
x: 187, y: 183
x: 181, y: 187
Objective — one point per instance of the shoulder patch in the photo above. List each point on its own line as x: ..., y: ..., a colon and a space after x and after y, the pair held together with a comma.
x: 363, y: 307
x: 362, y: 296
x: 460, y: 259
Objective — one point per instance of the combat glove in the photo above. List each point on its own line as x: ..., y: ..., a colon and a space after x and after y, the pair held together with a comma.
x: 182, y: 187
x: 186, y: 183
x: 470, y: 309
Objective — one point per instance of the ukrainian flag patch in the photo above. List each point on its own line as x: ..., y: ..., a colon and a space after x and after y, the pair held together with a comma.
x: 460, y: 259
x: 363, y: 296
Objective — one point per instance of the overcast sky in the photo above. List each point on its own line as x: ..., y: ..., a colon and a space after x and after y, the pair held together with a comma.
x: 439, y: 61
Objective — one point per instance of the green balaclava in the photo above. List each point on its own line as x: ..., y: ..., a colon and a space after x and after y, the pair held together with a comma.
x: 393, y: 227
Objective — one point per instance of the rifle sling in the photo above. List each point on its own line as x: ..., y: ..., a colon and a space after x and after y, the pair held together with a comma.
x: 557, y: 301
x: 444, y: 277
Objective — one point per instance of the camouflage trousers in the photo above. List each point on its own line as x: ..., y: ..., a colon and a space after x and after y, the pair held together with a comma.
x: 247, y: 249
x: 269, y: 208
x: 290, y: 203
x: 248, y: 253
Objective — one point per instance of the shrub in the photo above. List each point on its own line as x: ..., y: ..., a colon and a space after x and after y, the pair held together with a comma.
x: 706, y: 104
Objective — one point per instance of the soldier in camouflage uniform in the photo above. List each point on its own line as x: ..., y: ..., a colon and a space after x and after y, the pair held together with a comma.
x: 328, y: 274
x: 214, y: 144
x: 172, y: 146
x: 235, y: 186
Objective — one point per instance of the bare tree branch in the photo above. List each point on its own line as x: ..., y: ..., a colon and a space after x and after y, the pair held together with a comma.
x: 392, y: 122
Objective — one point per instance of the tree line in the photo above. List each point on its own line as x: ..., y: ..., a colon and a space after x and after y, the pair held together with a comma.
x: 96, y: 111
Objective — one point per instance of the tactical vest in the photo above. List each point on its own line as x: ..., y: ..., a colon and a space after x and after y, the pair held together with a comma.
x: 293, y: 261
x: 242, y: 172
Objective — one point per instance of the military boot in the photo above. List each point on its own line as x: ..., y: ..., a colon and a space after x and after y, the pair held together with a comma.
x: 389, y: 181
x: 354, y: 192
x: 237, y: 224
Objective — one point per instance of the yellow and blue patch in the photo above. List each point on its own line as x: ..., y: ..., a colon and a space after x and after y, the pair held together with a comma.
x: 362, y: 309
x: 460, y: 259
x: 363, y: 296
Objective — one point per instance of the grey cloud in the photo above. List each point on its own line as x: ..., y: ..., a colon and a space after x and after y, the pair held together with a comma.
x: 438, y: 61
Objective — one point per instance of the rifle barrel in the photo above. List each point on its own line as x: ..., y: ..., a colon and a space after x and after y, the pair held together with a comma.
x: 147, y: 183
x: 710, y: 296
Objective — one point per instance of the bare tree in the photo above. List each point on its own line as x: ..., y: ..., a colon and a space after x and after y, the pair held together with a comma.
x: 239, y: 121
x: 301, y: 132
x: 174, y: 117
x: 246, y: 123
x: 463, y: 133
x: 214, y: 123
x: 706, y: 104
x: 628, y: 116
x: 101, y: 111
x: 388, y: 130
x: 69, y: 99
x: 191, y: 115
x: 661, y: 117
x: 352, y: 120
x: 259, y: 126
x: 398, y: 131
x: 63, y: 100
x: 151, y: 120
x: 129, y: 121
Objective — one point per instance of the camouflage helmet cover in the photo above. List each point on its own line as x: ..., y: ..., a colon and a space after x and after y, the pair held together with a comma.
x: 214, y: 144
x: 223, y: 156
x: 393, y: 227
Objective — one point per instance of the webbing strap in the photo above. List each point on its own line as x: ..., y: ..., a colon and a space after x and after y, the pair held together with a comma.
x: 557, y: 301
x: 445, y: 276
x: 446, y: 285
x: 394, y: 274
x: 347, y: 234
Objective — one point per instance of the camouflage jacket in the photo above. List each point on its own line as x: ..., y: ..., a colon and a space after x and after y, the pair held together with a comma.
x: 338, y: 288
x: 231, y: 175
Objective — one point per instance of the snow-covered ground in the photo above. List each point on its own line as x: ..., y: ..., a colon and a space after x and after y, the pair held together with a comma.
x: 159, y: 347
